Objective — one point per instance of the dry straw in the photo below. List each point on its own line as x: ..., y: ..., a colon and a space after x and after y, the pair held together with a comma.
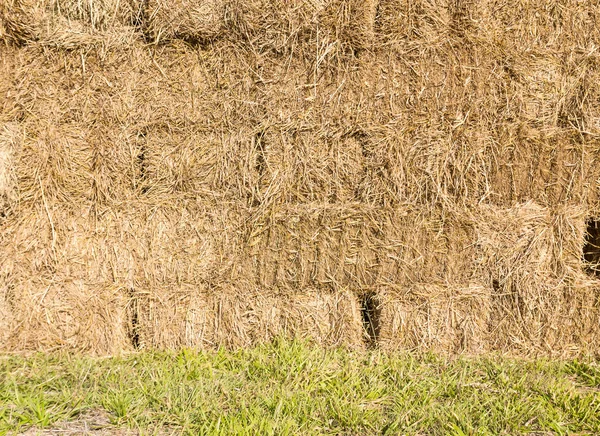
x: 185, y: 19
x: 10, y: 144
x: 68, y: 24
x: 198, y: 173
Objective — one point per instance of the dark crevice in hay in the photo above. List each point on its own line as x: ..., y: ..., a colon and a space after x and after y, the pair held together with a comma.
x: 197, y: 42
x: 98, y: 194
x: 508, y: 67
x: 142, y: 162
x: 139, y: 18
x: 378, y: 19
x: 17, y: 30
x: 591, y: 248
x: 10, y: 295
x: 362, y: 137
x: 571, y: 112
x: 461, y: 21
x: 370, y: 310
x: 261, y: 162
x: 520, y: 305
x: 367, y: 156
x: 133, y: 327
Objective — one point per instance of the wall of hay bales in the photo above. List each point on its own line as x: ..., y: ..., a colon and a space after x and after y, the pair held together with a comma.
x: 217, y: 173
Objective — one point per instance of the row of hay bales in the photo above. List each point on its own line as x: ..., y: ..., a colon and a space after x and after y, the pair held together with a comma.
x: 70, y: 24
x: 278, y: 165
x: 187, y: 275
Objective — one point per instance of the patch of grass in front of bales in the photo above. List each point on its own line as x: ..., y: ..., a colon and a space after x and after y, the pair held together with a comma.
x: 291, y: 387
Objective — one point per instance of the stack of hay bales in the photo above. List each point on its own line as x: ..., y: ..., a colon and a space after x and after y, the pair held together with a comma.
x: 247, y: 169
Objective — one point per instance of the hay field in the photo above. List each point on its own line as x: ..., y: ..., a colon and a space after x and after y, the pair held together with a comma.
x: 416, y: 175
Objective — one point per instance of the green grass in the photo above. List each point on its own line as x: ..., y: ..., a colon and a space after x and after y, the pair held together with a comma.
x: 292, y: 388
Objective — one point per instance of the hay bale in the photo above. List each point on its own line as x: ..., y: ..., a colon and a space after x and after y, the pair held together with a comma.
x: 7, y: 300
x: 408, y: 20
x: 10, y: 145
x: 67, y: 315
x: 271, y: 27
x: 57, y: 300
x: 69, y: 24
x: 357, y: 247
x: 541, y: 300
x: 191, y: 20
x: 547, y: 25
x: 202, y: 318
x: 350, y: 23
x: 441, y: 318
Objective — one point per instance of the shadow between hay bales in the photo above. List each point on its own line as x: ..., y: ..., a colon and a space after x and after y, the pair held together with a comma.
x: 133, y: 320
x: 370, y: 310
x: 591, y: 248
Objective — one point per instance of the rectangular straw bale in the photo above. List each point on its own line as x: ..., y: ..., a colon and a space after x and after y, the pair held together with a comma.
x: 329, y: 319
x: 358, y: 247
x: 297, y: 164
x: 292, y: 28
x: 424, y: 144
x: 69, y: 24
x: 176, y: 316
x: 352, y: 22
x: 529, y: 241
x: 7, y: 301
x: 55, y: 165
x: 199, y: 163
x: 431, y: 317
x: 78, y: 164
x: 405, y: 20
x: 53, y: 315
x: 533, y: 24
x: 271, y: 27
x: 10, y: 145
x: 190, y: 20
x: 539, y: 150
x: 546, y: 168
x: 420, y: 164
x: 189, y: 243
x: 530, y: 256
x: 153, y: 246
x: 422, y: 246
x: 55, y: 299
x: 310, y: 246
